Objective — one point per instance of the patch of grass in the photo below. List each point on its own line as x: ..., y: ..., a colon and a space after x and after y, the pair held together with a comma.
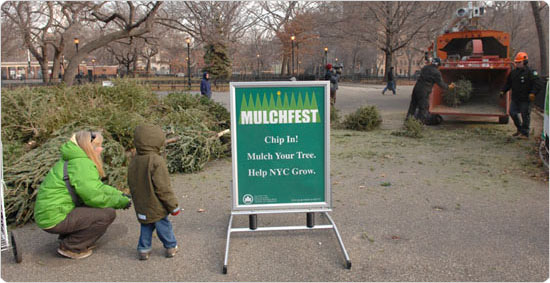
x: 385, y: 184
x: 334, y: 117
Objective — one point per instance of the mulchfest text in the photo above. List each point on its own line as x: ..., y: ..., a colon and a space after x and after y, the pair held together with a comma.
x: 279, y: 117
x: 279, y: 109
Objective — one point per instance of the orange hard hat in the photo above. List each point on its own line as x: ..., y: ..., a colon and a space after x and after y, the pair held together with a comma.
x: 520, y: 57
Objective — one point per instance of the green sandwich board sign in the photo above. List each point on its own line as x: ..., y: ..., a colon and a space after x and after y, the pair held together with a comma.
x: 280, y: 145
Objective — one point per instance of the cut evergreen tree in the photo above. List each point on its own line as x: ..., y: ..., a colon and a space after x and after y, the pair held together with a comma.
x: 460, y: 94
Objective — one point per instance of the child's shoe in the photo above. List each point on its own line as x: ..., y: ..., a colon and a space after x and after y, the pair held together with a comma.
x: 144, y: 255
x: 171, y: 252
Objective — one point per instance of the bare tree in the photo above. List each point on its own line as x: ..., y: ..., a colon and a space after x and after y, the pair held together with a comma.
x: 276, y: 16
x: 44, y: 24
x: 117, y: 20
x: 125, y: 52
x: 33, y: 21
x: 542, y: 35
x: 398, y: 23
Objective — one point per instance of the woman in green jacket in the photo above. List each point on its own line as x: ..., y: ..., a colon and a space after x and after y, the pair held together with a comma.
x: 78, y: 227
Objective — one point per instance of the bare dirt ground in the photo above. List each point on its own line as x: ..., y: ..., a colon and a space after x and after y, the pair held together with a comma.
x: 464, y: 203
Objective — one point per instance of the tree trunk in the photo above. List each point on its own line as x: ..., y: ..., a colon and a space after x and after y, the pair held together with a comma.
x: 134, y: 67
x: 543, y: 48
x: 56, y: 71
x: 389, y: 59
x: 284, y: 65
x: 44, y: 66
x: 72, y: 68
x: 148, y: 68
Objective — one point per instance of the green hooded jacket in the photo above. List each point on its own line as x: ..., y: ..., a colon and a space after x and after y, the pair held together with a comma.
x: 148, y: 177
x: 53, y: 201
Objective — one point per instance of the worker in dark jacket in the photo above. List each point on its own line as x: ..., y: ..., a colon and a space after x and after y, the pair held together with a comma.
x: 523, y: 82
x: 333, y: 77
x: 391, y: 82
x: 205, y: 85
x: 429, y: 75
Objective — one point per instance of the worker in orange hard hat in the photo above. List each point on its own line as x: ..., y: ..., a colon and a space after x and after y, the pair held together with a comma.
x: 523, y: 81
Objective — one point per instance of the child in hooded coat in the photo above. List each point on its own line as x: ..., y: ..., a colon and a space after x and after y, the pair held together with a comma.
x: 153, y: 197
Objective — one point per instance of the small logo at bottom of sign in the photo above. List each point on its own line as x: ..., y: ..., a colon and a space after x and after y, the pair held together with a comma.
x: 248, y: 199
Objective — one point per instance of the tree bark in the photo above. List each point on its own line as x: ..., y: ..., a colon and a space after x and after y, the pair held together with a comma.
x: 543, y: 48
x: 56, y: 66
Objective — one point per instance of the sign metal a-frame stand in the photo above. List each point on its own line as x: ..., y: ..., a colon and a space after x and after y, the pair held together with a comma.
x: 280, y: 140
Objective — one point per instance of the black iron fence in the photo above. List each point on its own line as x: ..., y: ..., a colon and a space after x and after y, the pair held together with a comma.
x: 172, y: 82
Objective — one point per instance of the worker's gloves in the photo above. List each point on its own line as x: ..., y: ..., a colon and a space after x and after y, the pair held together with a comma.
x: 501, y: 94
x: 452, y: 86
x: 531, y: 97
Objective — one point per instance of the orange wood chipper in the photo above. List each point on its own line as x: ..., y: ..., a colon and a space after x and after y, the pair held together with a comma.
x: 481, y: 57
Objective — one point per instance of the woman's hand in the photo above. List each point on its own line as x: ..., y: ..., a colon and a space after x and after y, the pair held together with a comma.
x: 129, y: 204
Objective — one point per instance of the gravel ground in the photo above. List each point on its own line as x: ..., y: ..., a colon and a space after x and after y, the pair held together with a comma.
x: 464, y: 203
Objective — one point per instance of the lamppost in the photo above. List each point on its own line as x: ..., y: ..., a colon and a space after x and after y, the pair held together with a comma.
x: 62, y: 66
x: 29, y: 64
x: 292, y: 38
x: 76, y: 41
x: 93, y: 70
x: 297, y: 58
x: 326, y: 56
x: 188, y: 40
x: 258, y: 58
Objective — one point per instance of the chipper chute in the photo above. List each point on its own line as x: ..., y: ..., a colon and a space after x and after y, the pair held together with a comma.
x: 480, y: 57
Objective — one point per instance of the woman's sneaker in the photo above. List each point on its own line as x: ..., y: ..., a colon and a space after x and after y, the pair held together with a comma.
x: 171, y: 252
x: 73, y: 255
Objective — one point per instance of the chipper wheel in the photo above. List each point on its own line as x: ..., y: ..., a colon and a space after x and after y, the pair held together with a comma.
x: 437, y: 119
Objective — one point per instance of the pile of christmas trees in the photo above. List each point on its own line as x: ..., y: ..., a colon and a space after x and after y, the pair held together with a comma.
x: 37, y: 121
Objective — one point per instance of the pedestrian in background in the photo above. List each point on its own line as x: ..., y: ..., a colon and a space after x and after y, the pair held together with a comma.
x: 523, y: 82
x: 152, y: 194
x: 205, y: 85
x: 391, y: 82
x: 333, y: 77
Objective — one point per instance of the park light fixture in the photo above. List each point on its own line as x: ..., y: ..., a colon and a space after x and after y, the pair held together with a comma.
x: 292, y: 38
x: 326, y: 56
x: 188, y: 40
x: 258, y: 57
x: 93, y: 70
x: 76, y: 41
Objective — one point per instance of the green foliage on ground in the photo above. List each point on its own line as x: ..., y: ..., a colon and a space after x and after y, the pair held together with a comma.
x: 412, y: 128
x: 366, y: 118
x: 334, y: 117
x: 36, y: 121
x: 460, y: 94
